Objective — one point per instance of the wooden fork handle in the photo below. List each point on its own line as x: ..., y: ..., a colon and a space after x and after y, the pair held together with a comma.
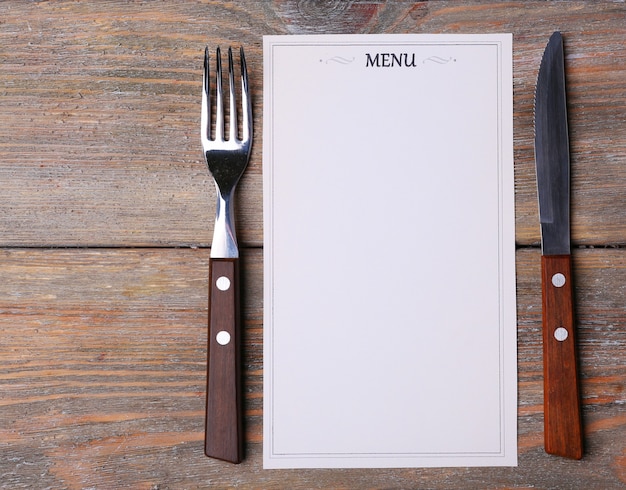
x: 223, y: 430
x: 562, y: 423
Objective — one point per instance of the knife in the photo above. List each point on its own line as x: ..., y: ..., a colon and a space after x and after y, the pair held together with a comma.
x: 562, y: 414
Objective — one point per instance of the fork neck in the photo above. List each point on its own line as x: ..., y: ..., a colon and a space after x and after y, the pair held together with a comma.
x: 224, y: 243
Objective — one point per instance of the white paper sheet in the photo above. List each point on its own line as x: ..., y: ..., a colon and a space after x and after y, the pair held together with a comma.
x: 390, y: 320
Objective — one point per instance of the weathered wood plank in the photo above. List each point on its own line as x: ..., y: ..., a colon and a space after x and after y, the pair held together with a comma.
x: 100, y: 110
x: 99, y: 123
x: 103, y: 371
x: 104, y: 363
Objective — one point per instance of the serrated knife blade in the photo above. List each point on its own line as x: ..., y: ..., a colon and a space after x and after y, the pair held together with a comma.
x: 562, y: 413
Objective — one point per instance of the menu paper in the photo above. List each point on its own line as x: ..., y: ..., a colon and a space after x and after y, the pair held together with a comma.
x: 389, y: 251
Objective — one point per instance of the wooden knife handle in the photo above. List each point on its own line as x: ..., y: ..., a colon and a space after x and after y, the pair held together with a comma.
x: 563, y: 423
x: 223, y: 437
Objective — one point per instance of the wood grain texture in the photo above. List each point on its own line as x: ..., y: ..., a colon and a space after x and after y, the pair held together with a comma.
x: 100, y: 111
x: 103, y: 370
x: 103, y: 346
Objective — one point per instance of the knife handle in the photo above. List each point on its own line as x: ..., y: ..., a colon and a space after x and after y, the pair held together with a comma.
x: 562, y: 414
x: 223, y: 437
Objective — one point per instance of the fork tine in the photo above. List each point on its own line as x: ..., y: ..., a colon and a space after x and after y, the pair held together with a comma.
x: 219, y: 99
x: 232, y: 133
x: 245, y: 100
x: 205, y: 116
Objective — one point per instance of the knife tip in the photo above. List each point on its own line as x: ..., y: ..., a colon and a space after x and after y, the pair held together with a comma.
x: 555, y: 38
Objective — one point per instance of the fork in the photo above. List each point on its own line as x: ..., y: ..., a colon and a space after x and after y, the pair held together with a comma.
x: 227, y: 159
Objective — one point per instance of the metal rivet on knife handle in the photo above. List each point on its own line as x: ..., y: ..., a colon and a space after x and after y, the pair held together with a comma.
x: 558, y: 280
x: 561, y: 334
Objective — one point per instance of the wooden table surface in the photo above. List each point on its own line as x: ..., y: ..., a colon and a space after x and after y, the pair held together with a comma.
x: 106, y: 218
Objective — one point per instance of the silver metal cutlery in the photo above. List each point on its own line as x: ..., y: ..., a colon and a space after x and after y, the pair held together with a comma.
x: 227, y: 154
x: 562, y: 415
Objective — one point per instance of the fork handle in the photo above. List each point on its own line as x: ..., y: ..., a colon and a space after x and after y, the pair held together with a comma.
x: 223, y: 430
x: 562, y: 414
